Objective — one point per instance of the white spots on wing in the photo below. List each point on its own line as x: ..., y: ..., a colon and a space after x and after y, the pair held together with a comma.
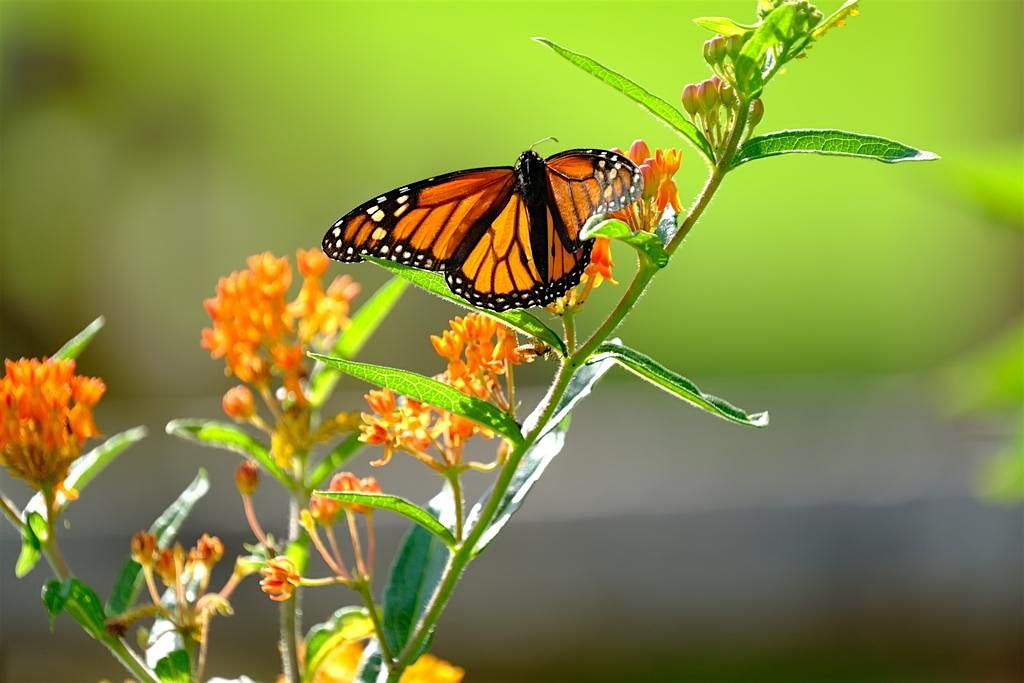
x: 337, y: 231
x: 403, y: 199
x: 379, y: 234
x: 378, y: 216
x: 338, y: 222
x: 384, y: 249
x: 402, y: 209
x: 337, y: 245
x: 602, y: 163
x: 380, y: 200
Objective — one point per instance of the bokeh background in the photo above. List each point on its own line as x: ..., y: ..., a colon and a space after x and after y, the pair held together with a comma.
x: 146, y: 148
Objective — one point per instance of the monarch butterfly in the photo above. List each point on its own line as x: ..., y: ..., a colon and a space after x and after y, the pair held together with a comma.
x: 505, y: 236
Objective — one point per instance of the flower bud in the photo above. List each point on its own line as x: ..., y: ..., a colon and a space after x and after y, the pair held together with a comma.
x: 238, y: 403
x: 247, y: 478
x: 689, y: 98
x: 707, y: 95
x: 144, y: 548
x: 312, y: 263
x: 733, y: 45
x: 639, y: 151
x: 715, y: 50
x: 323, y: 510
x: 279, y: 579
x: 756, y: 112
x: 208, y: 551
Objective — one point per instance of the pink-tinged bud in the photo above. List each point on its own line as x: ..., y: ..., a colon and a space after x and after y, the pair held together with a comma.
x: 756, y: 112
x: 247, y: 478
x: 639, y: 151
x: 279, y: 579
x: 733, y: 45
x: 690, y: 100
x: 208, y: 551
x: 715, y: 50
x: 238, y: 403
x: 707, y: 95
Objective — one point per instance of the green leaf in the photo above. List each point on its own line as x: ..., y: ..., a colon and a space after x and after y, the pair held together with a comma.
x: 540, y: 455
x: 847, y: 10
x: 648, y: 244
x: 362, y: 326
x: 346, y: 625
x: 416, y: 573
x: 517, y: 319
x: 339, y: 455
x: 174, y: 668
x: 84, y: 469
x: 769, y: 35
x: 397, y: 504
x: 723, y: 25
x: 828, y: 142
x: 74, y: 346
x: 165, y: 528
x: 431, y: 392
x: 228, y: 437
x: 80, y: 601
x: 648, y: 369
x: 33, y: 533
x: 661, y: 109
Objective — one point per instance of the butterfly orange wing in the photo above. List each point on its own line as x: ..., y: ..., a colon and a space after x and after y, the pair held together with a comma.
x: 587, y: 182
x: 424, y: 224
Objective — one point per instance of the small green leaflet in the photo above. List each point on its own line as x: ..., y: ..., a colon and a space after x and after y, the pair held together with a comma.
x: 228, y: 437
x: 829, y: 142
x: 648, y: 244
x: 74, y: 346
x: 431, y: 392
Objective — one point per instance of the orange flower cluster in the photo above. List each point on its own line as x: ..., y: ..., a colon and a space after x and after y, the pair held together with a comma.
x: 480, y: 351
x: 171, y: 564
x: 660, y: 189
x: 45, y: 417
x: 259, y: 332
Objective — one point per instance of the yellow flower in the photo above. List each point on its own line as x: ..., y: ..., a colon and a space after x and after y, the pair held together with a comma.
x: 45, y: 417
x: 431, y: 669
x: 341, y: 665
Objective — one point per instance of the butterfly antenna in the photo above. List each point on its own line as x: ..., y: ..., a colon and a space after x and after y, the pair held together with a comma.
x: 550, y: 138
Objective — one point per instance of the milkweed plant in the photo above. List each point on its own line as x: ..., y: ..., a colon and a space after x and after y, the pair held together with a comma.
x: 287, y: 352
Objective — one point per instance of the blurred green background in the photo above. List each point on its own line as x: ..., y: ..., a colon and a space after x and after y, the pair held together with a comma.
x: 146, y: 148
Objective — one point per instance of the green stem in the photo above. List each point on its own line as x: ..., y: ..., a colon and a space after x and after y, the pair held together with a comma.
x: 12, y: 515
x: 644, y: 274
x: 50, y: 546
x: 290, y: 610
x: 453, y: 475
x: 569, y: 323
x: 364, y: 590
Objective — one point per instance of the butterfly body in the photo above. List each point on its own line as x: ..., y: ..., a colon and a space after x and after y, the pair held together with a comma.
x: 505, y: 237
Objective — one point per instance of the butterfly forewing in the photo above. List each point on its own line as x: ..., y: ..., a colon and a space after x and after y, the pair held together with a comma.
x: 586, y: 182
x: 424, y: 224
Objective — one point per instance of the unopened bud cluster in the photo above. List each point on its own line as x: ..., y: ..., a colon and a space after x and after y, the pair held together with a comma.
x: 713, y: 105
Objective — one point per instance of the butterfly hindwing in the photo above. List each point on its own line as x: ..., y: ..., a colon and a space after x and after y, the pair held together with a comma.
x: 586, y: 182
x: 423, y: 224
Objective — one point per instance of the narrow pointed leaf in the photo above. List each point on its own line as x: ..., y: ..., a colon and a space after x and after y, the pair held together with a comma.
x: 362, y: 326
x: 165, y: 528
x: 647, y: 243
x: 228, y: 437
x: 415, y: 574
x: 339, y: 455
x: 661, y: 109
x: 831, y: 143
x: 84, y: 469
x: 381, y: 501
x: 723, y: 25
x: 847, y: 10
x: 431, y: 392
x: 540, y: 455
x: 675, y: 384
x: 74, y: 346
x: 517, y: 319
x: 346, y: 625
